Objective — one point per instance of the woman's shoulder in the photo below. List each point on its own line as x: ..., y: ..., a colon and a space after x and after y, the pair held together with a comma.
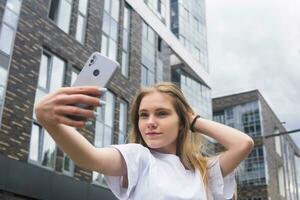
x: 133, y: 148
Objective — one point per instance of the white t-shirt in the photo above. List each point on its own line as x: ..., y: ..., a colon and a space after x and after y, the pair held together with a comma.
x: 159, y: 176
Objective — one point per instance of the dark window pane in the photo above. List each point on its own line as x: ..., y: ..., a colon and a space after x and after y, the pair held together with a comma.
x: 53, y: 9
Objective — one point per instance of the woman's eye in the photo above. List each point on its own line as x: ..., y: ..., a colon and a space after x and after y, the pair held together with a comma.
x: 143, y: 115
x: 162, y: 114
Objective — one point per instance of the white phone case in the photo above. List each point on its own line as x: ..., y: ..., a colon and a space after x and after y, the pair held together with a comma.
x: 97, y: 71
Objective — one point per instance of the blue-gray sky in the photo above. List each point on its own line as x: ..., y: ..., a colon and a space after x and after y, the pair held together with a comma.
x: 255, y: 44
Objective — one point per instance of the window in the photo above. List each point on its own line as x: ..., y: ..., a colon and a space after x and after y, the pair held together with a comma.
x: 3, y: 79
x: 158, y: 7
x: 251, y: 123
x: 185, y: 14
x: 281, y: 182
x: 60, y: 13
x: 42, y: 147
x: 9, y: 25
x: 7, y: 34
x: 252, y: 169
x: 81, y: 20
x: 68, y: 165
x: 6, y: 39
x: 125, y: 44
x: 219, y: 118
x: 277, y: 143
x: 229, y: 113
x: 122, y: 122
x: 159, y: 70
x: 104, y: 128
x: 197, y: 95
x: 197, y: 53
x: 148, y: 56
x: 110, y: 28
x: 197, y: 24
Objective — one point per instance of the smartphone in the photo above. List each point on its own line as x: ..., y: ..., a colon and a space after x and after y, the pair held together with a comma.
x: 97, y: 71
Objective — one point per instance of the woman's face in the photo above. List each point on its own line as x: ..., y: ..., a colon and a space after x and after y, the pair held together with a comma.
x: 159, y: 122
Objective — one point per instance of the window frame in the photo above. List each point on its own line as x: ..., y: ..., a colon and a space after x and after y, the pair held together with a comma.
x: 102, y: 120
x: 4, y: 54
x: 126, y: 52
x: 50, y: 56
x: 84, y: 25
x: 58, y: 13
x: 110, y: 39
x: 125, y: 115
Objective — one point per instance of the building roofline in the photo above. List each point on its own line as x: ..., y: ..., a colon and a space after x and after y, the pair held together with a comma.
x: 260, y: 97
x: 237, y: 94
x: 165, y: 33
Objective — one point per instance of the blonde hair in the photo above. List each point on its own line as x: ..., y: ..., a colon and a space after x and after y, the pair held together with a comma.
x: 190, y: 146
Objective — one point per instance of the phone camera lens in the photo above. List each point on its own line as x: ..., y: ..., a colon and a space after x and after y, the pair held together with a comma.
x: 96, y: 72
x: 92, y: 60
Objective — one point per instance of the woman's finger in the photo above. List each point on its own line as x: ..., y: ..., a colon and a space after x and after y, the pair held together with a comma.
x: 74, y: 111
x: 89, y: 90
x: 63, y: 99
x: 67, y: 121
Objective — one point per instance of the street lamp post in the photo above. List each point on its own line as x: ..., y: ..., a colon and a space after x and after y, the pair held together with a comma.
x: 282, y: 133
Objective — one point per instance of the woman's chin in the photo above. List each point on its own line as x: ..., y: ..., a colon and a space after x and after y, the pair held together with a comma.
x: 153, y: 145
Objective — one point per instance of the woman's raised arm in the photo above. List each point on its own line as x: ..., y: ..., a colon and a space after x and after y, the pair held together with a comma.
x: 238, y: 144
x: 51, y: 113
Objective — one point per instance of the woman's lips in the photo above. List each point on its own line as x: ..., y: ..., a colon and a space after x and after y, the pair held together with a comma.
x: 153, y: 133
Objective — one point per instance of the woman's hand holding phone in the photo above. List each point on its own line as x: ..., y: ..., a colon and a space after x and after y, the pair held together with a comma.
x: 75, y: 105
x: 55, y: 107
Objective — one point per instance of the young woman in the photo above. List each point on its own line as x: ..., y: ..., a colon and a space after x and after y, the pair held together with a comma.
x: 164, y: 158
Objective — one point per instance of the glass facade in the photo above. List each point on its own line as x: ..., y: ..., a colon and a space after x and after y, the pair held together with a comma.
x: 110, y: 28
x: 289, y: 170
x: 125, y: 43
x: 148, y: 56
x: 251, y: 123
x: 188, y: 23
x: 51, y: 75
x: 246, y: 117
x: 252, y: 169
x: 7, y: 35
x: 158, y: 7
x: 197, y: 94
x: 152, y: 57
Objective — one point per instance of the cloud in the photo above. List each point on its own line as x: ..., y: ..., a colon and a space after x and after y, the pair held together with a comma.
x: 256, y: 45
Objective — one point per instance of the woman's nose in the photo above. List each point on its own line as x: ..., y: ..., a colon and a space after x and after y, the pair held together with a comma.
x: 151, y: 122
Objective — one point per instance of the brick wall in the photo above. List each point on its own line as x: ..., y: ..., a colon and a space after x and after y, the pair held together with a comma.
x: 37, y: 32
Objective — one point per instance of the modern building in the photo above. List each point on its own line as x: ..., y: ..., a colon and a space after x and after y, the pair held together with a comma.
x: 43, y: 46
x: 269, y: 171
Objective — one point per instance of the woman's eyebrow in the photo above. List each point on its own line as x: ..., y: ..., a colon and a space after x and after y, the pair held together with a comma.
x: 157, y: 109
x: 164, y: 109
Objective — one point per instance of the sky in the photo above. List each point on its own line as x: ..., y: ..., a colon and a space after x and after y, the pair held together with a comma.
x: 255, y: 44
